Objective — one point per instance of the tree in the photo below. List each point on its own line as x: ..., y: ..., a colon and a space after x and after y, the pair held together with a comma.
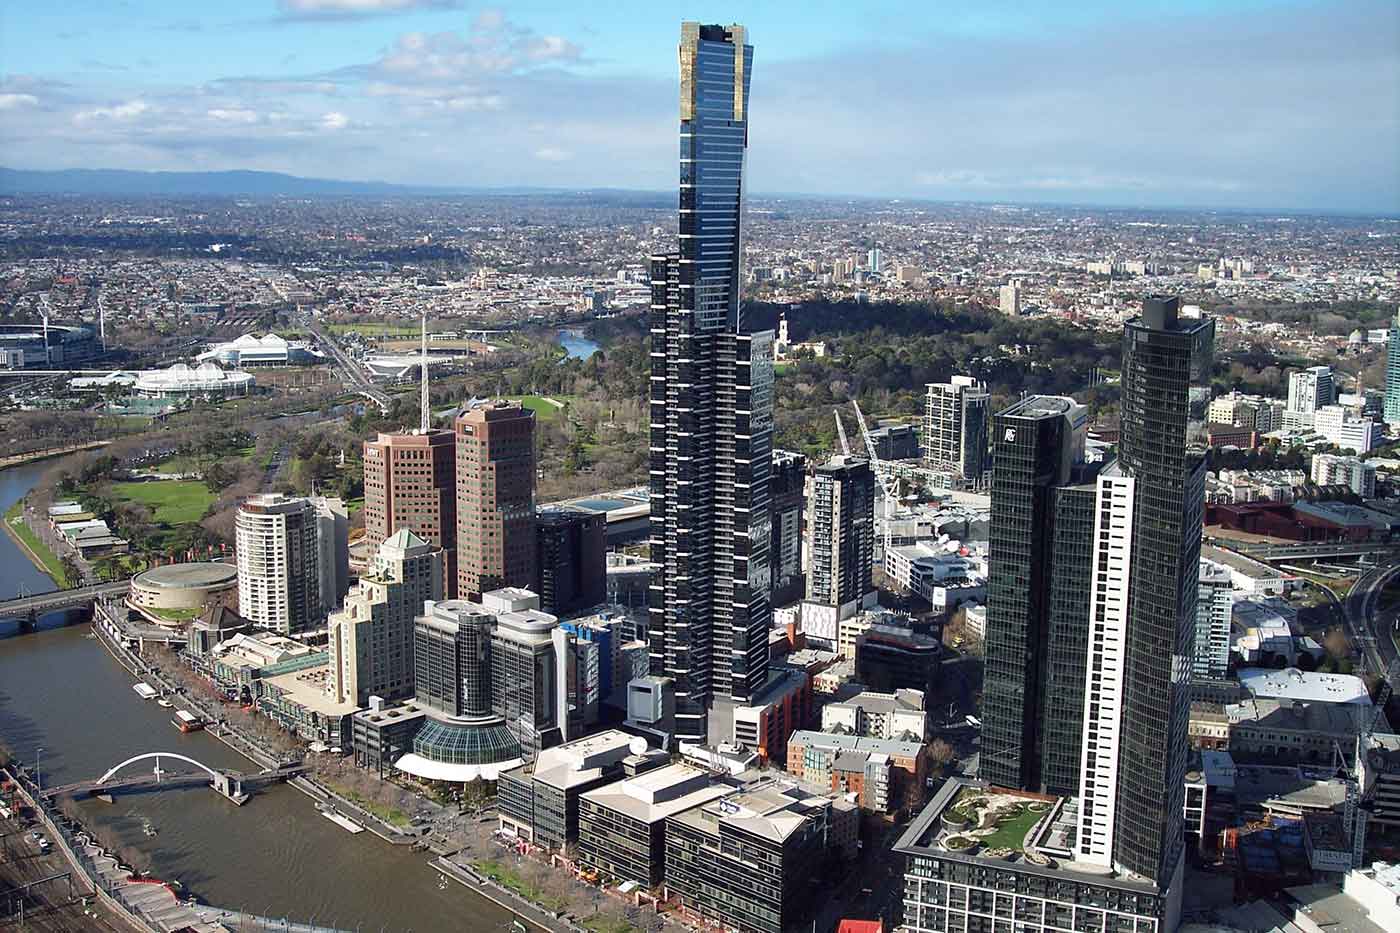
x: 72, y: 571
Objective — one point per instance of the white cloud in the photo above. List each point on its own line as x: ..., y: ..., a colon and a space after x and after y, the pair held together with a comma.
x: 233, y: 115
x: 126, y: 111
x: 11, y: 101
x: 334, y: 120
x: 352, y: 8
x: 552, y: 154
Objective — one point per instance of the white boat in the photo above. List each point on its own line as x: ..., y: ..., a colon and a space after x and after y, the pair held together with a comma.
x: 164, y: 703
x: 344, y: 822
x: 144, y: 690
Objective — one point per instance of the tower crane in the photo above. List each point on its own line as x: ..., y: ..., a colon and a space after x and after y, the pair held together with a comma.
x: 889, y: 482
x: 841, y: 432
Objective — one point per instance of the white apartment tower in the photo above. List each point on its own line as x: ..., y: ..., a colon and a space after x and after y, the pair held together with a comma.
x: 279, y: 563
x: 1009, y: 298
x: 955, y: 427
x: 1108, y: 647
x: 1215, y: 606
x: 1310, y: 389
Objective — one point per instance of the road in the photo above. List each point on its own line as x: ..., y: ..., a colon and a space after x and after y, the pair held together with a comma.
x: 1372, y: 633
x: 355, y: 375
x: 59, y: 599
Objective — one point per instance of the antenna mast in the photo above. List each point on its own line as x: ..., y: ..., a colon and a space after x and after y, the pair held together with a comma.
x: 425, y: 417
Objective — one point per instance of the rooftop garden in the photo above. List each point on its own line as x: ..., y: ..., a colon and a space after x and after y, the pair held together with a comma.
x: 997, y: 823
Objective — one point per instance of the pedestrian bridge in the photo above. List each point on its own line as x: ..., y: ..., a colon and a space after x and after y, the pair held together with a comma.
x: 60, y: 599
x: 234, y: 785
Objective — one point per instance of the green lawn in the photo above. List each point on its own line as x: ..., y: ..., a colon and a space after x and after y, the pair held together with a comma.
x: 544, y: 411
x: 1011, y: 828
x: 172, y: 502
x: 374, y: 330
x: 51, y: 563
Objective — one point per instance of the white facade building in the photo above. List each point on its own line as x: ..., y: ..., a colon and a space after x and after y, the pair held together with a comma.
x: 1214, y: 611
x: 279, y: 556
x: 1310, y: 389
x: 1103, y: 697
x: 956, y: 420
x: 1344, y: 428
x: 1357, y: 474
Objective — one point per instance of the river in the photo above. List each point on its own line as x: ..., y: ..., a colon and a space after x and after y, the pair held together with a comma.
x: 576, y: 346
x: 275, y: 856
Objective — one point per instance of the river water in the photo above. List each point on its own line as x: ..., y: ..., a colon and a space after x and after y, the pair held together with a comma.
x: 275, y: 856
x: 576, y: 346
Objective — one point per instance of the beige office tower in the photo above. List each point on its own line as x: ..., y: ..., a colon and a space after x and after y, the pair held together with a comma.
x: 371, y: 638
x: 495, y: 498
x: 411, y: 482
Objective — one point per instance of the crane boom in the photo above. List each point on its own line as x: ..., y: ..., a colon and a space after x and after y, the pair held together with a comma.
x: 841, y: 432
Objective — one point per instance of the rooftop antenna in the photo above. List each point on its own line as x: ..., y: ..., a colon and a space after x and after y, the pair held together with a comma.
x: 424, y: 417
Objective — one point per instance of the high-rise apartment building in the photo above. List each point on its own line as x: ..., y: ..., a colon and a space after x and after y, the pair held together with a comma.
x: 1041, y: 528
x: 495, y: 498
x: 371, y: 637
x: 1392, y: 372
x: 1356, y: 474
x: 1214, y: 609
x: 279, y: 563
x: 571, y: 556
x: 1147, y: 544
x: 411, y: 482
x: 874, y: 260
x: 788, y: 492
x: 955, y: 427
x: 1308, y: 390
x: 1116, y: 860
x: 841, y: 534
x: 1009, y: 298
x: 333, y: 547
x: 711, y: 407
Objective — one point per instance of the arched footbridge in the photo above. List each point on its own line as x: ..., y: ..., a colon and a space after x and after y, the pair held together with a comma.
x: 234, y: 785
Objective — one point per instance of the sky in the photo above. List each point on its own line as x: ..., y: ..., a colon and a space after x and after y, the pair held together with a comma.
x: 1234, y: 103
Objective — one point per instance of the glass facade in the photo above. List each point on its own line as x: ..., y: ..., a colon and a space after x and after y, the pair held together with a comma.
x: 1163, y: 355
x: 465, y: 743
x: 1065, y: 652
x: 1036, y: 594
x: 711, y: 406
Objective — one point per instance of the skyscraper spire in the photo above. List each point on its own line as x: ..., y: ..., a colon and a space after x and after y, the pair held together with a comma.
x: 424, y: 417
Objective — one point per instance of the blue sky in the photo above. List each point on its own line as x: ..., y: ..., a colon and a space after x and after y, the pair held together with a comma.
x: 1251, y: 103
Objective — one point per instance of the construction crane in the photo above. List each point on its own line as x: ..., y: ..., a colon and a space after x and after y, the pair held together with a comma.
x: 889, y: 482
x: 1357, y: 808
x: 841, y: 432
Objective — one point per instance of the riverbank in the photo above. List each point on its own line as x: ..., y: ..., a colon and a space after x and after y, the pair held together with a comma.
x: 117, y: 912
x: 48, y: 452
x: 43, y: 559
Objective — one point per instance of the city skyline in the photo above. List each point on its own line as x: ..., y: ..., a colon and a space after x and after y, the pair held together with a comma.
x: 1262, y: 105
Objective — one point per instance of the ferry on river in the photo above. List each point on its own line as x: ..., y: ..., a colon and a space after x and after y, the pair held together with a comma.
x: 186, y: 721
x: 145, y: 691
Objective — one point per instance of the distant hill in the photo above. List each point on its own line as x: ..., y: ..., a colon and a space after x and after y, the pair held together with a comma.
x: 121, y: 182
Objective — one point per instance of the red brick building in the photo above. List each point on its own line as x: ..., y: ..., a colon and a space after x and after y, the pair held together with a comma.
x: 411, y: 482
x: 495, y: 498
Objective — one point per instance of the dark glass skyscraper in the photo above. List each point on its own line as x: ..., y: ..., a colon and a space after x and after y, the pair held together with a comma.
x: 1037, y: 596
x: 1163, y: 355
x: 711, y: 406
